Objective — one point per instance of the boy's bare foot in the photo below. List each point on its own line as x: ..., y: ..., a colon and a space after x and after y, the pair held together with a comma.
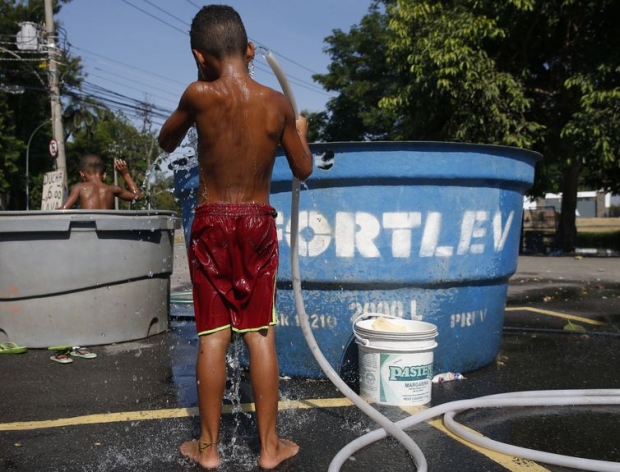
x: 204, y: 454
x: 285, y: 450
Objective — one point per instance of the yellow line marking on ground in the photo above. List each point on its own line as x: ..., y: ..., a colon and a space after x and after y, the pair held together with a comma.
x: 164, y: 414
x: 101, y: 419
x: 315, y: 403
x: 512, y: 463
x: 557, y: 314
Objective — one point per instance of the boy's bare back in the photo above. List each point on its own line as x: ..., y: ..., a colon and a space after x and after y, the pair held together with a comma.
x: 93, y: 193
x: 239, y: 129
x: 239, y: 123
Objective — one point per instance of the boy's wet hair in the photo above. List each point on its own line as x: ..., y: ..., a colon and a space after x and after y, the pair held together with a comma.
x: 91, y: 164
x: 218, y: 30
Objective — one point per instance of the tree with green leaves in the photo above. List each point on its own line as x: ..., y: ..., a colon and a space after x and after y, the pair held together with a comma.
x: 25, y: 103
x: 10, y: 151
x: 359, y: 73
x: 537, y: 74
x: 25, y: 128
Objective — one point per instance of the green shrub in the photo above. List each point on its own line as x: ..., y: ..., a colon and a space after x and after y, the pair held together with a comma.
x: 604, y: 240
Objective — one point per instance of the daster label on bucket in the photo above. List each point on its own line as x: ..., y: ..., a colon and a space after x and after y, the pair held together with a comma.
x: 358, y: 233
x: 410, y: 373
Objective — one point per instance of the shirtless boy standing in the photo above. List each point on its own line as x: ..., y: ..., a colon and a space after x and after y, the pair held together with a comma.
x: 233, y: 253
x: 93, y: 193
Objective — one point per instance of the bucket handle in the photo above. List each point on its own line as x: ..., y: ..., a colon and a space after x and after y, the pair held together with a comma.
x: 364, y: 316
x: 363, y: 341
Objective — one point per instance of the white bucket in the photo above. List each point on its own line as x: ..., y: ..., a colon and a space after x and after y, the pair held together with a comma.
x: 395, y: 359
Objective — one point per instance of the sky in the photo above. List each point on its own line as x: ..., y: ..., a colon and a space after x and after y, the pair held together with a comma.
x: 139, y: 49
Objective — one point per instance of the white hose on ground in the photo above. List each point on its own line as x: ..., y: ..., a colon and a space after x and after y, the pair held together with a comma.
x: 513, y: 399
x: 449, y: 410
x: 384, y: 422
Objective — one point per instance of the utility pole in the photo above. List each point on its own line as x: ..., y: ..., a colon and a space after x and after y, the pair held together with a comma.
x: 57, y: 129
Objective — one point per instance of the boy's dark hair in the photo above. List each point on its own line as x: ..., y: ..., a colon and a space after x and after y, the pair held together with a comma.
x: 91, y: 164
x: 218, y: 30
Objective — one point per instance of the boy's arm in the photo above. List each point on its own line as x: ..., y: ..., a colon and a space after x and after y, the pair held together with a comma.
x: 176, y: 126
x: 295, y: 143
x: 126, y: 195
x: 71, y: 199
x: 134, y: 192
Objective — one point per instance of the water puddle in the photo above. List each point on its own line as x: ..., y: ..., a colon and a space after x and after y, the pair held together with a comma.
x: 597, y: 252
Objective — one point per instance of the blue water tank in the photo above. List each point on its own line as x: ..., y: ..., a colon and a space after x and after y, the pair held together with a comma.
x: 420, y: 230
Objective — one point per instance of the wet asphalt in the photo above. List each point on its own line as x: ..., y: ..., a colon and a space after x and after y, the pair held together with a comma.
x: 130, y: 408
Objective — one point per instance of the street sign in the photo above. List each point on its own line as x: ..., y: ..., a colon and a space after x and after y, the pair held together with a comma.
x: 53, y: 190
x: 53, y: 148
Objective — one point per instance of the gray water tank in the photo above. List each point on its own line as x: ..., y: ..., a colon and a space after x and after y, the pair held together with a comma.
x: 80, y: 277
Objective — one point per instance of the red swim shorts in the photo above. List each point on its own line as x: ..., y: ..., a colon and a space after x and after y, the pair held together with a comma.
x: 233, y: 259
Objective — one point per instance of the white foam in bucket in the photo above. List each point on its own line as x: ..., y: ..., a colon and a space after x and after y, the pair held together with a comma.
x: 395, y: 359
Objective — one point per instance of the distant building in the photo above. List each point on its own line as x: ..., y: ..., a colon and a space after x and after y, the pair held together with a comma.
x: 590, y: 204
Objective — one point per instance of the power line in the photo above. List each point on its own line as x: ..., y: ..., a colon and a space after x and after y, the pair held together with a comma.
x: 282, y: 56
x: 173, y: 97
x: 99, y: 95
x: 127, y: 67
x: 113, y: 101
x: 167, y: 13
x: 148, y: 73
x: 139, y: 104
x: 153, y: 16
x: 193, y: 4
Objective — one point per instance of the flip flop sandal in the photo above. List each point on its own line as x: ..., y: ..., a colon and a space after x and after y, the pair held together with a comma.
x: 84, y: 352
x: 61, y: 348
x: 61, y: 358
x: 12, y: 348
